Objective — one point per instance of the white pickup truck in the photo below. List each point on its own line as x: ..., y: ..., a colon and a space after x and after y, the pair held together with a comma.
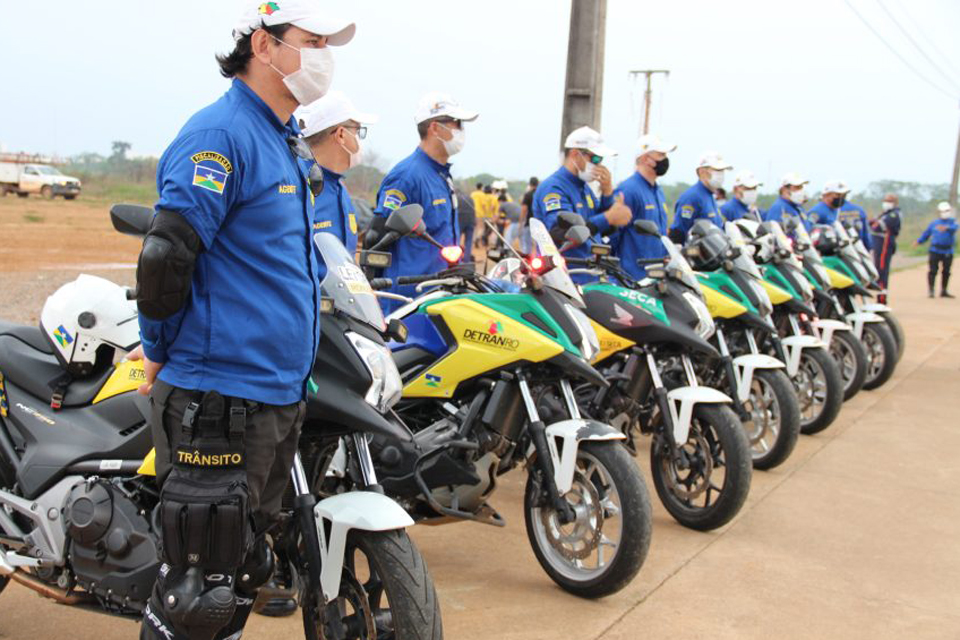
x: 24, y: 179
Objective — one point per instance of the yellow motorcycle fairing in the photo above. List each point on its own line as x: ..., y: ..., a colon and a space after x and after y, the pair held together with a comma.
x: 777, y: 295
x: 486, y: 340
x: 838, y: 280
x: 720, y: 305
x: 610, y: 343
x: 149, y: 465
x: 126, y: 377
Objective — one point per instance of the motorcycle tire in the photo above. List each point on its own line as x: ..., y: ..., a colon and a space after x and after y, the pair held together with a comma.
x: 601, y: 466
x: 882, y: 354
x: 772, y: 444
x: 717, y: 430
x: 897, y: 330
x: 394, y: 575
x: 851, y: 359
x: 818, y: 362
x: 4, y: 581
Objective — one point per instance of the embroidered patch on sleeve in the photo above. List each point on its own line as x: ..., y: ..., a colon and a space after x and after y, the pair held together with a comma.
x: 352, y: 219
x: 210, y: 171
x: 686, y: 211
x: 393, y: 199
x: 551, y: 202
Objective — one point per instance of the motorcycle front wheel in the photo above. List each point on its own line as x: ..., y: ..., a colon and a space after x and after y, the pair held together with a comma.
x: 4, y: 581
x: 386, y: 593
x: 773, y: 425
x: 881, y: 353
x: 851, y: 359
x: 819, y: 388
x: 601, y: 551
x: 706, y: 484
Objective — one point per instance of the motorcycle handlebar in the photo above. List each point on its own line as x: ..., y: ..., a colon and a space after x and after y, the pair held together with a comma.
x: 381, y: 283
x: 417, y: 279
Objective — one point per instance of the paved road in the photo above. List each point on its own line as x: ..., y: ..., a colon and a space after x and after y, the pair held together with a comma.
x: 856, y: 536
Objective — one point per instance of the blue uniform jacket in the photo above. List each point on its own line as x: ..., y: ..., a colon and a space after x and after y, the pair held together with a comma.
x: 563, y: 191
x: 251, y: 324
x: 696, y: 203
x: 783, y: 209
x: 419, y: 179
x: 857, y: 215
x: 334, y: 213
x: 734, y: 209
x: 942, y: 234
x: 647, y: 202
x: 885, y: 231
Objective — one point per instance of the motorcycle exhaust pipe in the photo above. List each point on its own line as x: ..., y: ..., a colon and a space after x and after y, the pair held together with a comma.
x: 6, y: 568
x: 49, y: 591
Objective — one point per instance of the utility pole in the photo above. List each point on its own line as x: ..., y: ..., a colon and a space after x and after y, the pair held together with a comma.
x: 956, y: 177
x: 583, y: 92
x: 647, y: 95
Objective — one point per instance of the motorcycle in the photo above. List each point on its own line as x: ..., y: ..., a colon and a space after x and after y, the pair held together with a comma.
x: 79, y: 503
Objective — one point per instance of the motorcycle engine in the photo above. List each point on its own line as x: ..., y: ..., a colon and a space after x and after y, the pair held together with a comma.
x: 112, y: 550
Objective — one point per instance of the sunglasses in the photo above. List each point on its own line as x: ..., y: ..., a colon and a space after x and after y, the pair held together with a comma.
x: 301, y: 149
x: 592, y: 157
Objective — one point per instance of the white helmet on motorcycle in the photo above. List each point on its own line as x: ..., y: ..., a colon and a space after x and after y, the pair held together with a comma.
x: 85, y: 315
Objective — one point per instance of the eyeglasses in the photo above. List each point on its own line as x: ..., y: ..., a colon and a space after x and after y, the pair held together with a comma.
x: 361, y: 130
x: 592, y: 157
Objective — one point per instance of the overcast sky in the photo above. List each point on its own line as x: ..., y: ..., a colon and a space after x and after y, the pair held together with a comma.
x: 774, y: 85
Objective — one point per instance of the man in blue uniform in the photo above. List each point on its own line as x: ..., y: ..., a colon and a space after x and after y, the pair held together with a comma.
x: 568, y: 190
x: 827, y: 210
x: 790, y: 203
x: 744, y: 201
x: 333, y: 128
x: 228, y: 301
x: 854, y: 216
x: 646, y: 201
x: 885, y: 230
x: 424, y: 178
x: 697, y: 202
x: 942, y: 234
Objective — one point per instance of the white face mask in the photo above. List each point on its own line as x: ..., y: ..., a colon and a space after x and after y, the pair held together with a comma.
x: 887, y: 206
x: 946, y: 214
x: 311, y: 82
x: 716, y: 179
x: 798, y: 196
x: 455, y: 144
x: 749, y: 197
x: 589, y: 171
x: 356, y: 157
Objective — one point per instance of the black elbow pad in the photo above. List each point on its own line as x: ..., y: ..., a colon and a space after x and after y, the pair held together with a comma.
x: 165, y: 266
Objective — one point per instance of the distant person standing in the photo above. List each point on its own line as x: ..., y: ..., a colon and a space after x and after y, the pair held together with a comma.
x: 480, y: 207
x: 885, y: 230
x: 942, y: 234
x: 467, y: 213
x: 698, y: 202
x: 744, y: 201
x: 526, y: 211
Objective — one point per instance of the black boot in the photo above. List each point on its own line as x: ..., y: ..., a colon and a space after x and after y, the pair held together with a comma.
x: 946, y: 294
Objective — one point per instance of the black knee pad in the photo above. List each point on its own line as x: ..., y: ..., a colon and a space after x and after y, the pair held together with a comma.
x: 199, y: 604
x: 256, y: 570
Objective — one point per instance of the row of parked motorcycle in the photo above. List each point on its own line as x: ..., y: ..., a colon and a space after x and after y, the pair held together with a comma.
x: 730, y: 348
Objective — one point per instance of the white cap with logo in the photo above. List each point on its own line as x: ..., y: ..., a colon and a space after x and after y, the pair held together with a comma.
x: 835, y: 186
x: 332, y: 109
x: 793, y: 179
x: 747, y: 180
x: 651, y: 143
x: 308, y: 15
x: 436, y: 104
x: 713, y: 160
x: 589, y: 140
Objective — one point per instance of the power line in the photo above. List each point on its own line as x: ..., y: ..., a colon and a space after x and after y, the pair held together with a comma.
x: 945, y: 58
x: 916, y: 45
x: 897, y: 53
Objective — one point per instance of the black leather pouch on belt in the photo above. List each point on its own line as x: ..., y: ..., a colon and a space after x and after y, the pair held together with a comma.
x: 204, y: 514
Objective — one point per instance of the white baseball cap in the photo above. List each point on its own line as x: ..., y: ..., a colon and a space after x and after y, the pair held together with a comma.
x: 747, y: 180
x: 793, y: 179
x: 332, y: 109
x: 437, y: 104
x: 589, y: 140
x: 308, y: 15
x: 713, y: 160
x: 651, y: 142
x: 835, y: 186
x: 499, y: 184
x: 944, y: 207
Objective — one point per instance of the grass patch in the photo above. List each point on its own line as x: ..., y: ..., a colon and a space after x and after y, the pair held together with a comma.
x: 33, y: 217
x: 111, y: 191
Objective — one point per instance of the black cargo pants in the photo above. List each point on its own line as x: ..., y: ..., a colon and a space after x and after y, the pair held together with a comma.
x: 270, y: 443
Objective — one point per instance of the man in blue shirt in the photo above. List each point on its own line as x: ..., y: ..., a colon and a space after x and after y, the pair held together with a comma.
x: 424, y: 178
x: 790, y: 203
x: 942, y: 234
x: 827, y: 210
x: 568, y: 190
x: 885, y: 230
x: 646, y: 201
x: 697, y: 202
x: 744, y: 201
x: 228, y: 299
x: 333, y: 129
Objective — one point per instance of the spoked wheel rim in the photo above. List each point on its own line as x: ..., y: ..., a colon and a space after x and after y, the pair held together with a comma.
x: 876, y: 357
x: 811, y: 384
x: 584, y: 549
x: 696, y: 476
x: 847, y: 361
x: 763, y: 424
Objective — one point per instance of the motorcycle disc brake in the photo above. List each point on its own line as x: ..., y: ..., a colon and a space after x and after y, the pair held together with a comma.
x: 699, y: 477
x: 338, y: 622
x: 586, y: 529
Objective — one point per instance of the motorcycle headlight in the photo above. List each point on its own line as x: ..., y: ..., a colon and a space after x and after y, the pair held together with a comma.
x: 386, y: 388
x: 705, y: 323
x: 589, y: 343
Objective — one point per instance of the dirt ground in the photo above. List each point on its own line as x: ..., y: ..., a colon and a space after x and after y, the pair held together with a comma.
x: 857, y: 535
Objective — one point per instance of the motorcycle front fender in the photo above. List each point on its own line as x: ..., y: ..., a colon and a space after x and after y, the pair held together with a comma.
x: 744, y: 366
x: 876, y: 307
x: 572, y: 433
x: 826, y: 328
x: 682, y: 401
x: 794, y: 346
x: 859, y: 318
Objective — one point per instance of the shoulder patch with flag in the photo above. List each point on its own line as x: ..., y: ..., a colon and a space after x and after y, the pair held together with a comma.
x: 210, y: 171
x: 686, y: 211
x: 551, y: 202
x: 393, y: 199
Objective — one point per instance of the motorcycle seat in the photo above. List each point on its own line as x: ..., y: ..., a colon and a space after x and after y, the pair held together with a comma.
x: 33, y: 336
x: 33, y: 369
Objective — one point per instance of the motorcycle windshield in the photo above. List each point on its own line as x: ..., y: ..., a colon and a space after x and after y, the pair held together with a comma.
x: 683, y: 270
x: 785, y: 245
x: 557, y: 278
x: 345, y: 283
x: 744, y: 262
x: 849, y: 251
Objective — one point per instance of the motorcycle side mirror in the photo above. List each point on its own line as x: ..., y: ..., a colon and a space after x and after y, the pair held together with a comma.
x: 646, y: 227
x: 131, y: 219
x: 576, y: 236
x: 405, y: 219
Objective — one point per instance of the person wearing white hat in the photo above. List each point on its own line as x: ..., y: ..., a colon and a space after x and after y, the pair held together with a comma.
x: 226, y: 253
x: 646, y: 201
x: 788, y: 207
x: 424, y: 178
x: 568, y: 190
x: 942, y: 234
x: 744, y: 201
x: 832, y: 197
x: 697, y: 202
